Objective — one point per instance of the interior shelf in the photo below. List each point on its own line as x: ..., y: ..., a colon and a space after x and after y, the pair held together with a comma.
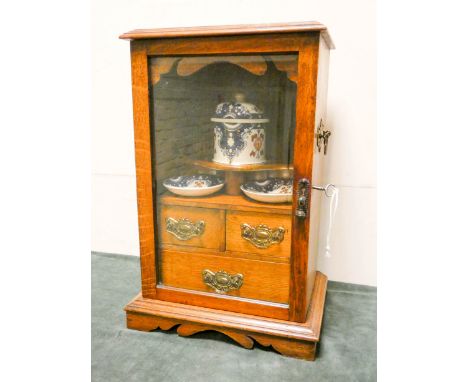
x: 227, y: 202
x: 241, y: 168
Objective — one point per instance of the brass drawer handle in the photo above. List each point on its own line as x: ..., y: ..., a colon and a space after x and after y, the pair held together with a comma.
x: 222, y: 281
x: 184, y: 229
x: 262, y: 236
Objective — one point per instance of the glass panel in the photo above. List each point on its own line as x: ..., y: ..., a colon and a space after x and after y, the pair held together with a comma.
x: 222, y: 141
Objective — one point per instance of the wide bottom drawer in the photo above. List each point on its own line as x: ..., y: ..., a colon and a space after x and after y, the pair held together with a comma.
x: 253, y: 279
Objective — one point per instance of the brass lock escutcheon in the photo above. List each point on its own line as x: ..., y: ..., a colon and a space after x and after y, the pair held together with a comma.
x: 322, y: 137
x: 303, y: 190
x: 222, y: 281
x: 184, y: 229
x: 262, y: 236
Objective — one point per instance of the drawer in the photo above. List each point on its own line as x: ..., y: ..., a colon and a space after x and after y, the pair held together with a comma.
x: 192, y: 227
x: 254, y: 279
x: 266, y: 234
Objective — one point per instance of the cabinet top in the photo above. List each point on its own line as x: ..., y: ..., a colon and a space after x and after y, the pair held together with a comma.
x: 228, y: 30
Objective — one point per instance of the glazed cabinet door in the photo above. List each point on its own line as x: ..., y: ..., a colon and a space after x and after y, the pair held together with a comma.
x: 224, y: 130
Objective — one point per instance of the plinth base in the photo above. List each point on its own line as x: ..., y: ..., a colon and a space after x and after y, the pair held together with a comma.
x: 288, y: 338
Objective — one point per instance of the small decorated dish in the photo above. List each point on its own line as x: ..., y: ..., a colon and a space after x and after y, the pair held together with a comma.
x: 271, y: 190
x: 194, y: 185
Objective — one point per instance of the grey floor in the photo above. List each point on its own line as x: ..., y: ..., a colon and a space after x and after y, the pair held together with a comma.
x: 347, y: 350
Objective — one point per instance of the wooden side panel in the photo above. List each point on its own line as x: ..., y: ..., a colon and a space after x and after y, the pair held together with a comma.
x: 235, y: 241
x: 141, y: 119
x: 303, y: 156
x: 262, y: 280
x: 317, y: 176
x: 213, y: 235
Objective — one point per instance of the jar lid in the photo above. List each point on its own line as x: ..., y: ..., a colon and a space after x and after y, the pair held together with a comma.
x: 238, y: 111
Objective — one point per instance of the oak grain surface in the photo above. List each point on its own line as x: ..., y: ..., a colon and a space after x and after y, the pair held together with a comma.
x: 289, y: 338
x: 273, y: 288
x: 213, y: 235
x: 235, y: 241
x: 262, y: 280
x: 223, y: 302
x: 240, y: 29
x: 144, y: 176
x: 303, y: 162
x: 228, y: 202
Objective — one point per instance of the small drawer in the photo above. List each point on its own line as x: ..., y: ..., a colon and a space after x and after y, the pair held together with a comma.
x: 192, y: 227
x: 266, y: 234
x: 254, y: 279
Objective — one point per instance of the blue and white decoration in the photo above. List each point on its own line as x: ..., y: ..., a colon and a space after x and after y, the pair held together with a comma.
x: 239, y: 133
x: 271, y: 190
x: 194, y: 185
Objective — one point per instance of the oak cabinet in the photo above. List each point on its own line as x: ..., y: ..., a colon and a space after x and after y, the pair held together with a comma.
x: 230, y: 137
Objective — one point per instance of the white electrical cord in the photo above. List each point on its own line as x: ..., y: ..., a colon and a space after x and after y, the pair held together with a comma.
x: 333, y: 195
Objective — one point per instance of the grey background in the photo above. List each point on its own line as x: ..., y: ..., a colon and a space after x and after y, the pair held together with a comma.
x: 347, y: 349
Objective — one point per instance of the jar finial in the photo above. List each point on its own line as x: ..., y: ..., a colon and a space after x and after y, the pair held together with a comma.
x: 239, y: 97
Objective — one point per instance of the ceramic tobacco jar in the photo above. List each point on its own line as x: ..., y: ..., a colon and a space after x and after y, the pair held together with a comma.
x: 239, y: 133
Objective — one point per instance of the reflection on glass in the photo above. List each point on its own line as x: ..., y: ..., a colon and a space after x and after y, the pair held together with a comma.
x: 222, y: 136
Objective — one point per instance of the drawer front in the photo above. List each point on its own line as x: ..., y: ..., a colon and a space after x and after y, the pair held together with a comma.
x: 192, y: 227
x: 254, y: 279
x: 266, y: 234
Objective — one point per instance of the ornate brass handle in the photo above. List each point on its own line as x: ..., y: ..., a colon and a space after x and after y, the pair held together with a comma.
x: 222, y: 281
x: 184, y: 229
x: 262, y: 236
